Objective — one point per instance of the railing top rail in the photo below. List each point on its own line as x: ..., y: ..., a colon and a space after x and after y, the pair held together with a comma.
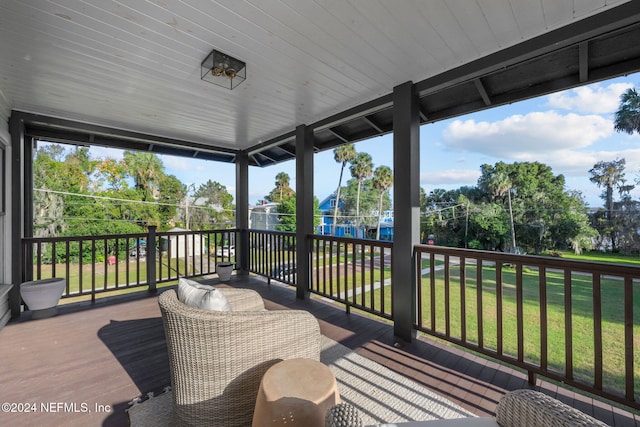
x: 77, y: 238
x: 183, y: 232
x: 274, y: 232
x: 535, y: 260
x: 121, y: 236
x: 372, y: 242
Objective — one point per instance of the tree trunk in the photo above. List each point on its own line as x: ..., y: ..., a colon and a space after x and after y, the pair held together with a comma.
x: 379, y: 216
x: 513, y: 229
x: 335, y: 209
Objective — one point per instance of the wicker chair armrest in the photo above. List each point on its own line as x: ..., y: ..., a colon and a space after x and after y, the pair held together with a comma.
x: 530, y: 408
x: 285, y: 333
x: 243, y: 299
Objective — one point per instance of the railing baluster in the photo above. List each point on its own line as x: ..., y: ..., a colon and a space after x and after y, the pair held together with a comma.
x: 499, y: 337
x: 383, y: 280
x: 568, y: 328
x: 80, y: 272
x: 418, y: 288
x: 330, y: 266
x: 324, y: 266
x: 480, y: 307
x: 338, y: 276
x: 597, y: 330
x: 363, y: 280
x: 628, y: 339
x: 463, y: 300
x: 106, y: 264
x: 372, y: 278
x: 519, y: 312
x: 67, y: 267
x: 544, y: 334
x: 53, y: 259
x: 93, y: 270
x: 432, y: 285
x: 39, y: 260
x: 447, y: 296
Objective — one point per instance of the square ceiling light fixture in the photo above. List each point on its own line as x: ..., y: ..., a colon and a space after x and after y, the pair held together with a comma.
x: 223, y: 70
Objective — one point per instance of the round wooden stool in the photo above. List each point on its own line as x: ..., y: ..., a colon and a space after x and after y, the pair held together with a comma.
x: 295, y: 392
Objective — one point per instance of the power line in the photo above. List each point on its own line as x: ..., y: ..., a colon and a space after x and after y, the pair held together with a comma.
x: 116, y: 199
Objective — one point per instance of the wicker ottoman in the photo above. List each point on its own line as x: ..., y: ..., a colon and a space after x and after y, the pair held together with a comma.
x: 295, y: 392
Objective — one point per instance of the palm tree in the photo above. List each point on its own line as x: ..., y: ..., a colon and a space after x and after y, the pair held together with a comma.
x: 343, y: 154
x: 361, y: 169
x: 282, y: 182
x: 382, y: 181
x: 627, y: 118
x: 609, y: 175
x: 500, y: 185
x: 146, y: 169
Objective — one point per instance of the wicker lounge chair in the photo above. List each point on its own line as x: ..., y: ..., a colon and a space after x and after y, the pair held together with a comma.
x: 518, y: 408
x: 217, y: 358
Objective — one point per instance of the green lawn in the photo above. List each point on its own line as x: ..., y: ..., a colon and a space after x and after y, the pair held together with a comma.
x: 595, y: 256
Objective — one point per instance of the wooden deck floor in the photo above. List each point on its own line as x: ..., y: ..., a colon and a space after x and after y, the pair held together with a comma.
x: 84, y: 366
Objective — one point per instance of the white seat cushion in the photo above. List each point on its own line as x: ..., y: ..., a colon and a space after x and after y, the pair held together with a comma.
x: 201, y: 296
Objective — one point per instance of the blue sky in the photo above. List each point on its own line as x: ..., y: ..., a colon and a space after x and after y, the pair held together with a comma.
x: 569, y: 131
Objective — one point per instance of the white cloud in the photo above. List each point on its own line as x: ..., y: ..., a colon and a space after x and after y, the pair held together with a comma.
x: 100, y: 152
x: 175, y: 163
x: 523, y: 137
x: 449, y: 178
x: 593, y: 99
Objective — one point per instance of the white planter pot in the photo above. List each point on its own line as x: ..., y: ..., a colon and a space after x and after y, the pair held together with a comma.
x: 42, y: 296
x: 224, y: 270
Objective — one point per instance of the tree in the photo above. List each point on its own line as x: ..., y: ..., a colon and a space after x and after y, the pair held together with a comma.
x: 343, y: 155
x: 212, y: 204
x: 113, y: 172
x: 627, y: 117
x: 145, y: 169
x: 282, y: 182
x: 287, y: 211
x: 499, y: 185
x: 218, y: 203
x: 281, y: 190
x: 368, y: 201
x: 610, y: 175
x: 382, y: 181
x: 541, y: 203
x: 361, y: 169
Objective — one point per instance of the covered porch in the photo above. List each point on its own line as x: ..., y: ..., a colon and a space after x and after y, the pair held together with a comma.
x: 95, y: 82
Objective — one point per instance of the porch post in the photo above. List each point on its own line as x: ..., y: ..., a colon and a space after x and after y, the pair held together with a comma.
x: 304, y: 209
x: 21, y: 207
x: 406, y: 203
x: 242, y: 212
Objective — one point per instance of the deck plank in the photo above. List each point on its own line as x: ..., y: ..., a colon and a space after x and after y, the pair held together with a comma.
x: 113, y: 351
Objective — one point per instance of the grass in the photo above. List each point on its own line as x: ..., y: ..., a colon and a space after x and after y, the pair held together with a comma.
x: 596, y: 256
x: 102, y: 277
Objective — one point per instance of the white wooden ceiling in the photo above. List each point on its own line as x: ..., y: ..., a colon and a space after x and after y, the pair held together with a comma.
x: 135, y: 65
